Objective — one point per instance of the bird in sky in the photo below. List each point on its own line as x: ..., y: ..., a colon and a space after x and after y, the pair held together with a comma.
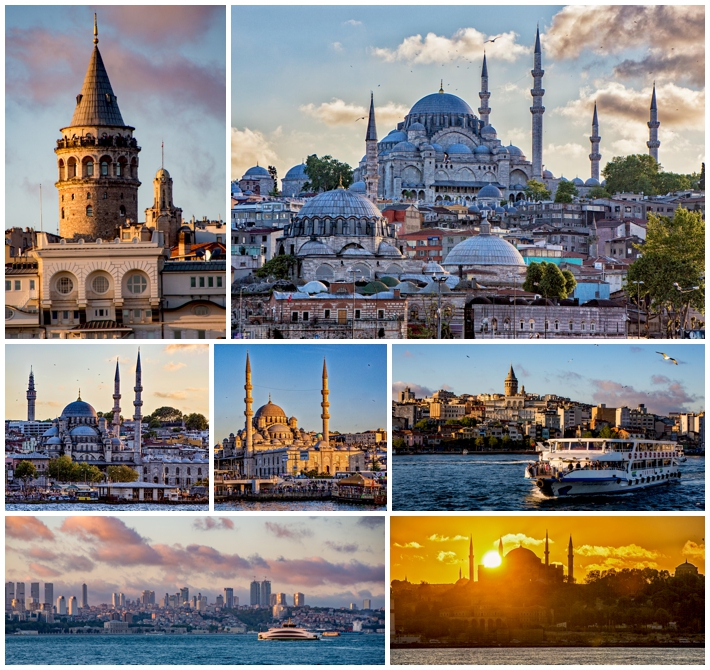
x: 667, y: 357
x: 493, y: 40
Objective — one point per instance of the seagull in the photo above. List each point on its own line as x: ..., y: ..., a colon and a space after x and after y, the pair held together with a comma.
x: 667, y: 357
x: 493, y: 40
x: 360, y: 119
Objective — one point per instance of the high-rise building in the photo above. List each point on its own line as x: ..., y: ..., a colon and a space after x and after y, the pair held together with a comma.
x: 265, y: 593
x: 281, y: 599
x: 254, y: 590
x: 272, y: 599
x: 229, y: 598
x: 73, y: 606
x: 148, y: 597
x: 367, y: 604
x: 353, y: 606
x: 184, y: 595
x: 299, y: 600
x: 49, y: 594
x: 219, y: 601
x: 84, y: 596
x: 9, y: 594
x: 20, y: 594
x: 115, y: 600
x: 122, y: 599
x: 34, y: 591
x: 61, y: 605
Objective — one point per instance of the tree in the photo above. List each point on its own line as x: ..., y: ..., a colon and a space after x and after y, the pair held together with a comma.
x: 570, y: 281
x: 25, y: 471
x: 533, y: 277
x: 326, y: 174
x: 566, y: 192
x: 398, y: 443
x: 121, y: 473
x: 547, y: 280
x: 196, y: 422
x: 640, y: 173
x: 61, y: 469
x: 83, y: 472
x: 701, y: 178
x: 537, y: 191
x: 422, y: 425
x: 168, y: 414
x: 674, y: 253
x: 274, y: 175
x: 279, y: 267
x: 598, y: 192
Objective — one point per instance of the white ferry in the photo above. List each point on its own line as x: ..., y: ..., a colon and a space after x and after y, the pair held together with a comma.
x: 289, y: 632
x: 592, y: 466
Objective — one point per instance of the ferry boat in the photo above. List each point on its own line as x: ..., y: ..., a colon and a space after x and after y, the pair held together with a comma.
x: 593, y: 466
x: 288, y: 631
x: 331, y: 633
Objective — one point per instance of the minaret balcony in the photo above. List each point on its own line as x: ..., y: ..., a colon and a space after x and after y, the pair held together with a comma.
x: 109, y: 141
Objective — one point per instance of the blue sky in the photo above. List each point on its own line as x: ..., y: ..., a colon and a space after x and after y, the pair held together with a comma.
x: 614, y: 374
x: 357, y: 378
x: 332, y: 560
x: 173, y: 375
x: 302, y: 75
x: 167, y: 67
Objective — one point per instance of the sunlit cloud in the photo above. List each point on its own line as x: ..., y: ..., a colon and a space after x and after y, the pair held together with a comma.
x: 443, y: 538
x: 26, y: 528
x: 418, y: 390
x: 409, y: 545
x: 337, y: 112
x: 250, y: 148
x: 447, y: 557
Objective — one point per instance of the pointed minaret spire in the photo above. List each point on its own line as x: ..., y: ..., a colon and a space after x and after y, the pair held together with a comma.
x: 96, y: 30
x: 116, y: 403
x: 470, y: 559
x: 547, y: 550
x: 653, y: 125
x: 31, y: 397
x: 137, y: 410
x: 248, y: 414
x: 325, y: 416
x: 570, y: 562
x: 484, y: 111
x: 372, y: 172
x: 500, y: 547
x: 537, y: 109
x: 595, y: 156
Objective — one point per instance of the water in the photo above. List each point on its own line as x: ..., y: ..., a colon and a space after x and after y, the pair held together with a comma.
x: 78, y: 508
x: 549, y: 656
x: 191, y: 650
x: 496, y: 482
x: 294, y: 505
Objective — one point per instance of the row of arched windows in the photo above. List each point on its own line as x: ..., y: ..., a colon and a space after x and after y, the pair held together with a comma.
x: 136, y: 284
x: 106, y: 167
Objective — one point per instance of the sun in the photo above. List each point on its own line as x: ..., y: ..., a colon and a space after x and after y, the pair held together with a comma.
x: 492, y: 559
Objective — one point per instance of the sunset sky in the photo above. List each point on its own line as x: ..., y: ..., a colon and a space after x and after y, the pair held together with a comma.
x: 332, y: 560
x: 613, y: 374
x: 176, y: 375
x: 357, y: 379
x: 302, y: 75
x: 167, y: 68
x: 433, y: 548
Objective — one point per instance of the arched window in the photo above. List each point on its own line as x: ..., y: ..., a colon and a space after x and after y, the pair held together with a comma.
x: 65, y: 285
x: 90, y: 168
x: 137, y: 284
x: 571, y: 326
x: 62, y: 212
x: 89, y: 210
x: 122, y: 209
x: 88, y: 195
x: 100, y: 284
x: 61, y: 170
x: 104, y: 168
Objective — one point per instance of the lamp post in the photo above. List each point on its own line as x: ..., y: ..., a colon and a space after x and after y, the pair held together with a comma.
x: 684, y: 316
x: 638, y: 308
x: 439, y: 281
x: 355, y: 274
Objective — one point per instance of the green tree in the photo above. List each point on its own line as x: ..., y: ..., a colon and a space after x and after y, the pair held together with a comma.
x: 570, y: 281
x: 61, y: 469
x: 166, y: 414
x: 121, y: 473
x: 631, y: 174
x: 537, y: 191
x: 674, y: 253
x: 566, y: 192
x: 533, y: 277
x: 701, y: 178
x: 547, y: 279
x: 398, y: 443
x: 422, y: 425
x: 196, y: 422
x: 326, y: 174
x: 279, y: 267
x: 25, y: 471
x: 598, y: 192
x: 83, y: 472
x: 670, y: 181
x: 274, y: 175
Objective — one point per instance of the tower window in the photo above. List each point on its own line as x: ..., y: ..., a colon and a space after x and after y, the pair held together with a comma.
x: 90, y: 168
x: 105, y: 196
x: 72, y: 196
x: 104, y: 168
x: 137, y: 284
x: 88, y: 196
x: 123, y: 210
x: 89, y: 210
x: 65, y: 285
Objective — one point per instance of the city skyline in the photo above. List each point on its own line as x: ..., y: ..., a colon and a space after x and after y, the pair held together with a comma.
x: 291, y: 376
x: 611, y: 374
x: 402, y: 54
x: 150, y: 53
x: 174, y: 375
x: 433, y: 548
x: 333, y: 560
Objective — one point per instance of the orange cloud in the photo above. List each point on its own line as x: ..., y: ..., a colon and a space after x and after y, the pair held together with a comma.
x: 26, y: 528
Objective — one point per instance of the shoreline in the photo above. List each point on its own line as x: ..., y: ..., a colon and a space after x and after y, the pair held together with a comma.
x: 576, y: 645
x: 106, y: 502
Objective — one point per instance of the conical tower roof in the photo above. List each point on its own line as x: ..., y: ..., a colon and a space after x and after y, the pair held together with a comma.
x: 511, y: 374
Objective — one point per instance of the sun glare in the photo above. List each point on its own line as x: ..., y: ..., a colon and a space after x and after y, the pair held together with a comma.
x: 492, y: 559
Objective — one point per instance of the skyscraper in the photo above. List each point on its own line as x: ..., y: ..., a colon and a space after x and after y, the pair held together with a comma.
x: 9, y: 594
x: 229, y: 598
x: 49, y: 593
x: 115, y: 600
x: 61, y: 605
x: 84, y: 596
x: 254, y: 588
x: 34, y: 592
x: 20, y: 594
x: 184, y: 595
x: 367, y: 604
x: 299, y: 600
x: 73, y: 606
x: 265, y: 594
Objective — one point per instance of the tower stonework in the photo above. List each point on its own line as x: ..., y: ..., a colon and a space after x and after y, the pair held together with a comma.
x: 653, y: 125
x: 470, y: 559
x: 163, y: 215
x: 117, y: 403
x: 97, y: 161
x: 595, y: 156
x: 372, y: 176
x: 484, y: 111
x: 248, y: 414
x: 511, y: 383
x: 537, y: 109
x: 31, y: 397
x: 138, y: 412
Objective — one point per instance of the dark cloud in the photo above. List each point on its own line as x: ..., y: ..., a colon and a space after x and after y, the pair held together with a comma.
x: 419, y: 391
x: 342, y: 547
x: 689, y: 66
x: 290, y: 532
x: 210, y: 523
x: 371, y: 521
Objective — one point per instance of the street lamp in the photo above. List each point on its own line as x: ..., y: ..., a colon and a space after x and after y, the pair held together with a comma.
x: 355, y: 273
x: 685, y: 316
x: 439, y: 281
x: 638, y: 307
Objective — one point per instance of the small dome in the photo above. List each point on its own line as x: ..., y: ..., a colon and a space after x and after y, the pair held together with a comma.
x: 406, y: 287
x: 563, y: 179
x: 488, y: 130
x: 313, y: 287
x: 481, y: 149
x: 433, y: 268
x: 395, y: 136
x: 51, y: 432
x: 437, y: 147
x: 473, y: 209
x: 458, y: 149
x: 162, y: 174
x: 115, y: 442
x: 514, y: 151
x: 354, y: 251
x: 358, y: 187
x: 490, y: 191
x: 257, y: 171
x: 389, y: 281
x: 547, y: 174
x: 385, y: 249
x: 53, y: 440
x: 270, y: 410
x: 375, y: 287
x: 416, y: 126
x: 339, y: 202
x: 511, y: 210
x: 278, y: 428
x: 501, y: 151
x: 483, y: 250
x: 500, y: 210
x: 577, y: 181
x: 83, y: 431
x: 592, y: 182
x: 297, y: 172
x: 404, y: 146
x: 441, y: 103
x: 78, y: 409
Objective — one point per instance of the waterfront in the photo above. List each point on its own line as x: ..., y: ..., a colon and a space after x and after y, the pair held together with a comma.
x: 73, y: 507
x: 295, y: 505
x: 550, y: 656
x: 485, y: 481
x: 190, y: 650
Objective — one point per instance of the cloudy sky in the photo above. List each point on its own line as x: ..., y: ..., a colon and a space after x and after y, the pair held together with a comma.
x: 167, y: 68
x: 434, y: 548
x: 357, y: 379
x: 614, y: 374
x: 302, y: 76
x: 176, y: 375
x: 332, y: 560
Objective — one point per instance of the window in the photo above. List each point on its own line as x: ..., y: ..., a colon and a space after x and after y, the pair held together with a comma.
x: 8, y: 285
x: 592, y: 327
x: 357, y: 313
x: 88, y: 196
x: 32, y: 284
x: 202, y: 282
x: 90, y: 168
x: 380, y: 313
x: 76, y: 313
x: 65, y: 285
x: 55, y: 315
x: 104, y: 169
x: 210, y: 281
x: 177, y: 334
x: 137, y: 313
x: 65, y: 314
x: 193, y: 282
x: 219, y: 282
x: 571, y: 326
x: 89, y: 210
x: 201, y: 334
x: 105, y: 196
x: 18, y: 284
x: 100, y: 284
x: 294, y: 317
x: 326, y: 313
x: 305, y: 316
x: 148, y: 314
x: 201, y: 310
x: 137, y: 284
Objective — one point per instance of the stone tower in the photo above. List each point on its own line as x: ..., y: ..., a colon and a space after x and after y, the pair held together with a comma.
x: 470, y: 559
x: 537, y: 110
x: 97, y: 161
x: 137, y: 411
x: 163, y: 215
x: 116, y: 403
x: 653, y: 124
x: 484, y: 111
x: 325, y: 416
x: 570, y: 562
x: 511, y: 383
x: 595, y: 156
x: 372, y: 176
x: 248, y: 414
x: 31, y: 397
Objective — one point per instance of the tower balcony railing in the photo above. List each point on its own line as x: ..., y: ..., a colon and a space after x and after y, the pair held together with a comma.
x: 109, y: 141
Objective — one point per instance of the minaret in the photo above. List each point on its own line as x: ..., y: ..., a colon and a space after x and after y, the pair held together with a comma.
x: 595, y: 156
x: 116, y: 403
x: 248, y: 414
x: 570, y: 562
x: 372, y: 176
x: 653, y: 124
x: 547, y: 550
x: 500, y: 547
x: 537, y: 110
x: 511, y: 383
x: 31, y: 397
x: 484, y: 111
x: 470, y: 559
x: 137, y: 412
x: 325, y: 405
x: 98, y: 183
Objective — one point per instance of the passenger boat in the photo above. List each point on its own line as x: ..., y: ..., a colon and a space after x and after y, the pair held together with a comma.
x: 592, y: 466
x: 289, y: 632
x: 331, y: 633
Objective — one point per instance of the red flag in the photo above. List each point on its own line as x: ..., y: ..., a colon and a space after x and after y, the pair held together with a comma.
x: 290, y: 295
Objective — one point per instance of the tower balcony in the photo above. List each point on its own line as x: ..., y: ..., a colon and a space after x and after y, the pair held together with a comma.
x: 108, y: 141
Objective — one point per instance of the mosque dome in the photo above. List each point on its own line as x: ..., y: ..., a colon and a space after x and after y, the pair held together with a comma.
x: 357, y: 187
x: 437, y: 147
x: 270, y: 411
x: 591, y: 182
x: 458, y: 149
x: 78, y: 409
x: 577, y: 181
x: 473, y: 209
x: 500, y: 210
x: 547, y: 175
x: 278, y: 428
x: 385, y: 249
x: 489, y: 130
x: 313, y: 287
x: 51, y: 432
x: 433, y: 268
x: 501, y: 150
x: 82, y: 431
x: 297, y: 172
x: 339, y: 202
x: 53, y: 440
x: 483, y: 249
x: 395, y: 136
x: 162, y: 174
x: 441, y: 103
x: 521, y: 557
x: 404, y: 146
x: 481, y: 149
x: 490, y: 191
x: 257, y: 171
x: 416, y: 126
x: 515, y: 151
